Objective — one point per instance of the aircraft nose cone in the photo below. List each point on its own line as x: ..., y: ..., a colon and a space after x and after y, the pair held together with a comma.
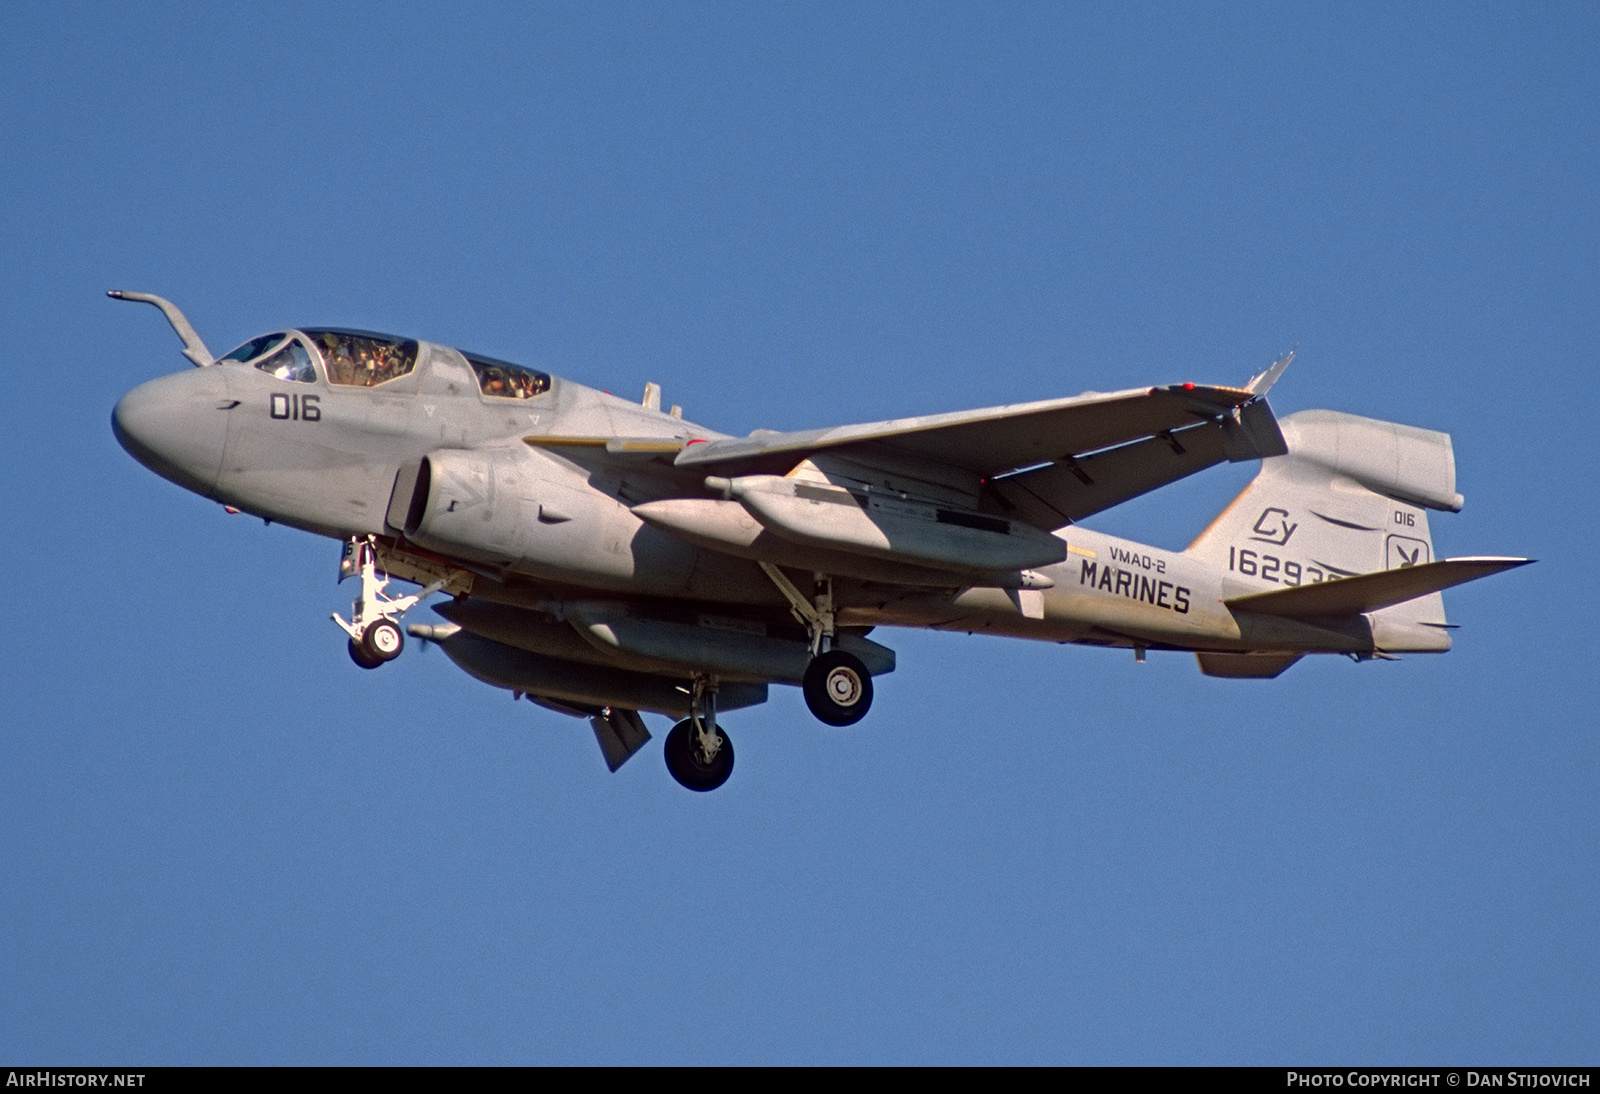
x: 176, y: 426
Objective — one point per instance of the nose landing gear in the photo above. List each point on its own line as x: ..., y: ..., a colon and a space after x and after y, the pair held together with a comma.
x: 381, y: 641
x: 375, y: 637
x: 359, y: 654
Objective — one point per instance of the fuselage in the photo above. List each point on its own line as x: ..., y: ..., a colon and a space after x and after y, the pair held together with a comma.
x: 329, y: 431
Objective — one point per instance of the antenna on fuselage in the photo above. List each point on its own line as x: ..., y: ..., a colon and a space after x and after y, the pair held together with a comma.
x: 193, y: 348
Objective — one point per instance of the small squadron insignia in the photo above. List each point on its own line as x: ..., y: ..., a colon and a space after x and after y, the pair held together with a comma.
x: 1273, y: 527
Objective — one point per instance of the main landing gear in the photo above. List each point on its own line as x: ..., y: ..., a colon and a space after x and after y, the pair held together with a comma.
x: 375, y: 637
x: 837, y: 686
x: 699, y: 754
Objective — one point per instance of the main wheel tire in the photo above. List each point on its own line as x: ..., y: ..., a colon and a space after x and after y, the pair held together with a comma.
x: 382, y: 640
x: 359, y: 654
x: 837, y: 688
x: 688, y: 764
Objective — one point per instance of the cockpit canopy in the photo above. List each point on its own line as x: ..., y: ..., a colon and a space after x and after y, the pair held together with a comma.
x: 352, y: 358
x: 504, y: 380
x: 254, y: 348
x: 282, y: 355
x: 364, y: 359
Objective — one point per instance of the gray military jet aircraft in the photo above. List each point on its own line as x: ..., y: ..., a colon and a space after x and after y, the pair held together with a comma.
x: 605, y: 558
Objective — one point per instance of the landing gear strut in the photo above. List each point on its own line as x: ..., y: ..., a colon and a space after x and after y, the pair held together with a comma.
x: 837, y: 686
x: 699, y: 755
x: 374, y: 635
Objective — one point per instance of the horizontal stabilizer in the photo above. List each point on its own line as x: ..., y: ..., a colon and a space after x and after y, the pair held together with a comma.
x: 1370, y: 592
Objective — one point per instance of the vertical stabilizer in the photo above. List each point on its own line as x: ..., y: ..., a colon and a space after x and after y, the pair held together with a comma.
x: 1350, y: 497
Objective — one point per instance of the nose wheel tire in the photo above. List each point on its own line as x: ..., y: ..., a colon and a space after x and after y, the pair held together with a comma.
x: 359, y: 654
x: 837, y: 688
x: 688, y: 762
x: 382, y: 640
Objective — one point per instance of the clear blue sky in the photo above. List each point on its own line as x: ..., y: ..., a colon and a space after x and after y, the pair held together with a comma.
x: 221, y: 842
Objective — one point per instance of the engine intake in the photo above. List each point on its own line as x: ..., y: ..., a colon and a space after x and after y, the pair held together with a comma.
x: 468, y: 503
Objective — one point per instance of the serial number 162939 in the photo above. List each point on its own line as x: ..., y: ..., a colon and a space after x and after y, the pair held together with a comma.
x: 1243, y: 560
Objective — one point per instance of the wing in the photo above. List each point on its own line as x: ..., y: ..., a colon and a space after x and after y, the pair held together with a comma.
x: 1046, y: 463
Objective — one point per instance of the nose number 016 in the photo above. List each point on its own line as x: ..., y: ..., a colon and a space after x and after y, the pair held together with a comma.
x: 294, y: 407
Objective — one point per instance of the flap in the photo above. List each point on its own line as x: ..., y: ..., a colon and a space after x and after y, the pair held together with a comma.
x: 1070, y: 489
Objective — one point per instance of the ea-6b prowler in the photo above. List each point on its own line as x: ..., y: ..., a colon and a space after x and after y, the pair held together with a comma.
x: 605, y: 558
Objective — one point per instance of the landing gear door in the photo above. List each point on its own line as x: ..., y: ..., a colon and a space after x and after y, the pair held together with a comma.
x: 355, y: 555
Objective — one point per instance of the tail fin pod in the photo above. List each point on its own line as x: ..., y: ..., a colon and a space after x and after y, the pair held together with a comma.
x: 1400, y: 461
x: 1350, y: 497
